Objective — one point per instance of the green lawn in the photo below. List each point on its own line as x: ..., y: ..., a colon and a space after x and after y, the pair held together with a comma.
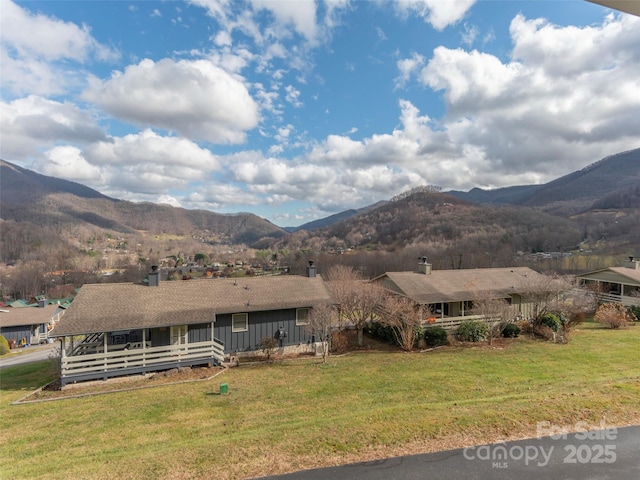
x: 293, y: 415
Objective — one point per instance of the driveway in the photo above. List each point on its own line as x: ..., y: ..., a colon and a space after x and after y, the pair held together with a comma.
x: 610, y: 453
x: 31, y: 354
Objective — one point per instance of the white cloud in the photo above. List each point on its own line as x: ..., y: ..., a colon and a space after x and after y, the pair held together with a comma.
x: 407, y: 67
x: 68, y: 162
x: 469, y: 34
x: 571, y: 51
x: 195, y: 98
x: 568, y: 94
x: 134, y: 167
x: 301, y: 14
x: 293, y: 96
x: 33, y: 123
x: 34, y: 44
x: 438, y: 13
x: 152, y: 150
x: 279, y: 30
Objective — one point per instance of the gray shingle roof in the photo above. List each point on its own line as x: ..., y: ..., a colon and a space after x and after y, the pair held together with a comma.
x: 125, y: 306
x: 13, y: 317
x: 458, y: 285
x: 630, y: 276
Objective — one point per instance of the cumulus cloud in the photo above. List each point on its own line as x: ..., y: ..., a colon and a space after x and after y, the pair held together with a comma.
x: 437, y: 13
x: 567, y: 93
x: 67, y: 162
x: 33, y: 45
x: 32, y: 123
x: 134, y: 167
x: 197, y: 99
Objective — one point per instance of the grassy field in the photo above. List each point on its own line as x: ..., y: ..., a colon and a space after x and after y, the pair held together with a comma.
x: 293, y: 415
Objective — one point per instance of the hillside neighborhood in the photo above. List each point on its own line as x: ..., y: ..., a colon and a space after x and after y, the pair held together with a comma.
x: 319, y: 239
x: 112, y: 330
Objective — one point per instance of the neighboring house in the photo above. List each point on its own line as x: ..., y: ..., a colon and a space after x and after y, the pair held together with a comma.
x: 615, y: 284
x: 450, y: 294
x: 28, y: 325
x: 120, y: 329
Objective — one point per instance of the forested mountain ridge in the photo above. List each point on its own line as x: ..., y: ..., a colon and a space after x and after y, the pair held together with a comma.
x: 600, y: 203
x: 570, y: 194
x: 37, y: 209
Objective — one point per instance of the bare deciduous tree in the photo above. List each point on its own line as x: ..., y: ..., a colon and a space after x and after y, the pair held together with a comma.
x: 320, y: 325
x: 403, y: 316
x: 548, y: 293
x: 357, y: 299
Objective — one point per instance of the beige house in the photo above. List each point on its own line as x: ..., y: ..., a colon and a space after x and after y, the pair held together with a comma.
x: 450, y: 294
x: 615, y: 284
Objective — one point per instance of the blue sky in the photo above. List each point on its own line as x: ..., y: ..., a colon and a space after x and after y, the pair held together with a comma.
x: 295, y: 110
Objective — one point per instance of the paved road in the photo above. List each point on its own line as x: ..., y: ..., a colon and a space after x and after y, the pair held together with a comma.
x: 599, y: 455
x: 30, y: 355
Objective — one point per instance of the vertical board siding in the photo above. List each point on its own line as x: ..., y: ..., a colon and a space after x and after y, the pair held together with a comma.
x: 200, y: 332
x: 261, y: 324
x: 17, y: 333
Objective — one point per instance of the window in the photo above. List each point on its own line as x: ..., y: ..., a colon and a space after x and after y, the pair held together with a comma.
x: 302, y: 316
x: 239, y: 322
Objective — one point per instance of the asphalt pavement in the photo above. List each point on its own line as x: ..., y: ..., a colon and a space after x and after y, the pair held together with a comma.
x: 35, y: 353
x: 606, y: 454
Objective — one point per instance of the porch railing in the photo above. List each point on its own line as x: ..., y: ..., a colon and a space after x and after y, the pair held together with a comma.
x: 136, y: 360
x: 617, y: 298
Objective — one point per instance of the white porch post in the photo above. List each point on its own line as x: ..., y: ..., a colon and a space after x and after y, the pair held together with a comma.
x: 144, y: 346
x: 104, y: 348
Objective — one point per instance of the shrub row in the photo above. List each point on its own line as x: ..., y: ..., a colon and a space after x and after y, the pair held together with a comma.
x: 434, y: 336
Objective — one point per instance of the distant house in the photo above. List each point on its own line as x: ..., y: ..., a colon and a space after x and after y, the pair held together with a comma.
x: 615, y: 284
x: 29, y: 324
x: 120, y: 329
x: 450, y: 294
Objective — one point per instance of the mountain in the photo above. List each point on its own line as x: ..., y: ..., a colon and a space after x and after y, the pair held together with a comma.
x: 330, y: 220
x: 573, y: 193
x: 596, y: 207
x: 44, y: 202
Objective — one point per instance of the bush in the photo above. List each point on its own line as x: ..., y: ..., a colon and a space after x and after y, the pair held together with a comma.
x: 339, y: 342
x: 418, y: 334
x: 552, y: 321
x: 613, y: 315
x: 511, y: 330
x: 4, y: 345
x: 473, y: 331
x: 382, y: 332
x: 268, y: 346
x: 436, y: 336
x: 635, y: 311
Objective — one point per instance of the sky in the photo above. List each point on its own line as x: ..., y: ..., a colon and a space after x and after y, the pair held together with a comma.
x: 297, y: 109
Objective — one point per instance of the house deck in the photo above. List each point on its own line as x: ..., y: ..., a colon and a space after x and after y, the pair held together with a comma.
x: 140, y: 359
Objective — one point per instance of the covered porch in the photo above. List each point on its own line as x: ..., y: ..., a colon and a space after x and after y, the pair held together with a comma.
x: 103, y: 355
x: 614, y: 284
x: 449, y: 315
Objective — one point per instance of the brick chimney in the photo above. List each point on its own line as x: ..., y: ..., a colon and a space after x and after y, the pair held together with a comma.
x: 154, y: 276
x: 424, y: 267
x: 311, y: 269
